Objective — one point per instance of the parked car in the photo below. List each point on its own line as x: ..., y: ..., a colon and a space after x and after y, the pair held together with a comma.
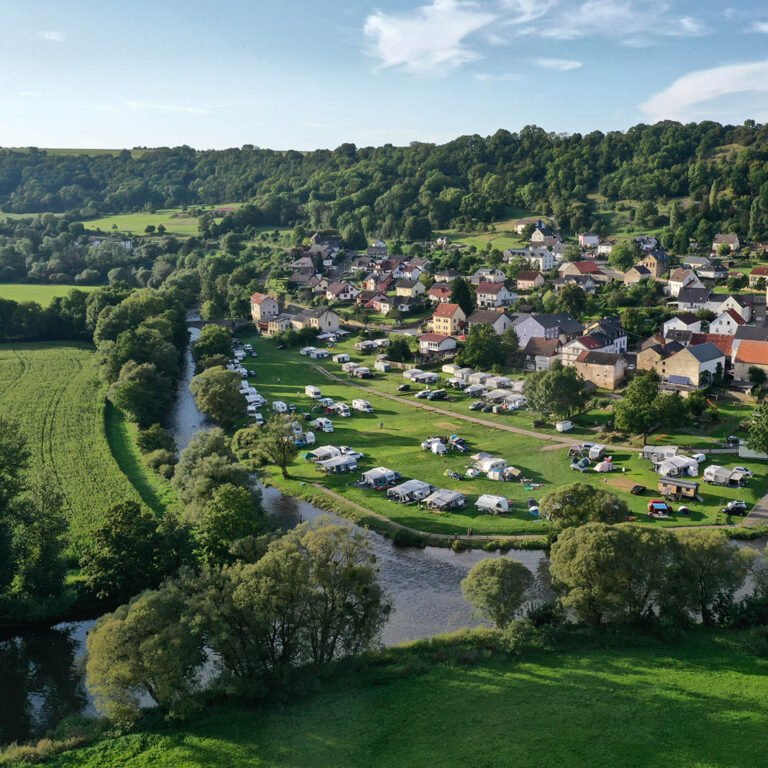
x: 498, y: 409
x: 437, y: 394
x: 735, y: 508
x: 637, y: 490
x: 248, y: 348
x: 404, y: 388
x: 659, y: 508
x: 487, y: 408
x: 421, y: 395
x: 282, y: 346
x: 747, y: 472
x: 251, y: 372
x: 732, y: 440
x: 476, y: 406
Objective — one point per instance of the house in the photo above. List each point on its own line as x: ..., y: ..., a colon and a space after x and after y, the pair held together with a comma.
x: 748, y: 355
x: 739, y: 304
x: 692, y: 299
x: 604, y: 369
x: 364, y: 297
x: 499, y: 321
x: 656, y: 262
x: 727, y: 323
x: 394, y: 267
x: 541, y: 258
x: 635, y: 275
x: 606, y: 336
x: 488, y: 275
x: 440, y: 293
x: 448, y: 319
x: 409, y: 288
x: 378, y: 250
x: 377, y: 301
x: 318, y: 284
x: 756, y: 274
x: 731, y: 240
x: 712, y: 271
x: 446, y: 275
x: 277, y: 324
x: 722, y: 341
x: 541, y: 231
x: 548, y: 326
x: 585, y: 282
x: 527, y: 280
x: 605, y: 248
x: 494, y: 295
x: 263, y: 307
x: 341, y: 292
x: 538, y: 354
x: 694, y: 262
x: 691, y: 367
x: 436, y: 344
x: 411, y: 272
x: 362, y: 262
x: 651, y: 355
x: 685, y: 321
x: 589, y: 240
x: 583, y: 268
x: 682, y: 278
x: 647, y: 242
x: 521, y: 224
x: 303, y: 262
x: 323, y: 319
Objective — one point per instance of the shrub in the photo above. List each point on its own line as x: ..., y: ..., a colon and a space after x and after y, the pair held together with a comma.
x: 162, y: 462
x: 406, y: 538
x: 459, y: 545
x: 155, y: 438
x: 758, y: 641
x: 523, y: 636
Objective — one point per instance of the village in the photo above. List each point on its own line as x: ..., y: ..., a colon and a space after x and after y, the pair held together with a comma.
x: 697, y: 337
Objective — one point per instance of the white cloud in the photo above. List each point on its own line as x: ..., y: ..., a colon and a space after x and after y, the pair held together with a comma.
x: 526, y: 10
x: 54, y: 36
x: 140, y: 105
x: 561, y: 65
x: 677, y: 102
x: 760, y: 26
x: 30, y: 94
x: 428, y: 41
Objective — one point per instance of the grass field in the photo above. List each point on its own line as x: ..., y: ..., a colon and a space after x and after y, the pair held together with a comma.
x: 42, y: 294
x: 282, y: 375
x: 54, y: 391
x: 700, y: 704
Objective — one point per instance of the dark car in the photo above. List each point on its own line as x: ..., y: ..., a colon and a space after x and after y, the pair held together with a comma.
x: 637, y: 490
x: 254, y: 354
x: 538, y: 423
x: 735, y: 508
x: 487, y: 408
x: 404, y: 388
x: 437, y: 394
x: 476, y: 406
x: 282, y: 346
x: 251, y: 372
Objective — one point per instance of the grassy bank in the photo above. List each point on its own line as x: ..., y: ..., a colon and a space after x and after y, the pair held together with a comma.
x: 282, y: 375
x: 452, y: 702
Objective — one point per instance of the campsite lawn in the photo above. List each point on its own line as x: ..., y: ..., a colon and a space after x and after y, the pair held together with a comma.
x: 42, y: 294
x: 283, y: 374
x: 701, y: 702
x: 53, y: 391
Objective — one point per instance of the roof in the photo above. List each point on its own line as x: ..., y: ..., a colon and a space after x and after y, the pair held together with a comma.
x: 439, y: 288
x: 405, y: 283
x: 641, y: 269
x: 722, y: 341
x: 729, y: 238
x: 752, y: 332
x: 490, y: 287
x: 689, y: 318
x: 706, y: 352
x: 436, y: 337
x: 587, y: 267
x: 598, y: 358
x: 755, y: 352
x: 735, y: 316
x: 590, y: 342
x: 679, y: 483
x: 560, y: 320
x: 337, y: 287
x: 446, y: 310
x: 529, y: 274
x: 485, y: 316
x: 259, y: 298
x: 692, y: 295
x: 543, y: 347
x: 678, y: 275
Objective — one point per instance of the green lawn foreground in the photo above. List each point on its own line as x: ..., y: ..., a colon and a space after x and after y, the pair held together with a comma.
x: 53, y: 390
x: 702, y: 703
x: 283, y: 374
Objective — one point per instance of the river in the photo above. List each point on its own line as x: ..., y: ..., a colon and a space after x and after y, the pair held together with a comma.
x: 41, y: 669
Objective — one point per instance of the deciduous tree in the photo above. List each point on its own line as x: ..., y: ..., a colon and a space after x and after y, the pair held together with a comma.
x: 496, y: 589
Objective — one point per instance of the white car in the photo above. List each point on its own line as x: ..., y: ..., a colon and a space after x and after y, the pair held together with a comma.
x: 747, y: 472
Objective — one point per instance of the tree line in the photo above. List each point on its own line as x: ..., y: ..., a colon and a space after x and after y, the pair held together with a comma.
x: 392, y: 191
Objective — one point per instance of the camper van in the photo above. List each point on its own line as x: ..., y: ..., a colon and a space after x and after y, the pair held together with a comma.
x: 348, y: 367
x: 307, y: 350
x: 313, y: 392
x: 322, y: 424
x: 342, y: 409
x: 256, y: 418
x: 362, y: 405
x: 494, y: 505
x: 279, y: 407
x: 564, y: 426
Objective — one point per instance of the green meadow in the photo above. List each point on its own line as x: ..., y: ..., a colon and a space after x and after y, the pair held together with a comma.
x: 283, y: 374
x: 699, y: 703
x: 42, y: 294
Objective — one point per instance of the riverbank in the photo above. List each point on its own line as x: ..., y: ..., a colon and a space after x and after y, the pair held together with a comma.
x: 461, y: 701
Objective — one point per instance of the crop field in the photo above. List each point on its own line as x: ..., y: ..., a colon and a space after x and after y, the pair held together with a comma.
x: 42, y: 294
x: 54, y: 392
x: 392, y: 435
x: 699, y: 703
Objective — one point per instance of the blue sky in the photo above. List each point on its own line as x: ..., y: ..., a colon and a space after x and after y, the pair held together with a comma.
x: 304, y: 74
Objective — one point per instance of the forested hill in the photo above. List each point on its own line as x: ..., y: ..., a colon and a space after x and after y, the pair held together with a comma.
x: 722, y: 170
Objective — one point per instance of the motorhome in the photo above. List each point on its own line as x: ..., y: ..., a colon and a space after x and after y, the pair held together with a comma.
x: 322, y: 424
x: 491, y: 504
x: 313, y: 392
x: 362, y: 405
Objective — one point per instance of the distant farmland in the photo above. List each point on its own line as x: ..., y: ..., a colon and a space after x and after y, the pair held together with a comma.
x: 54, y: 391
x: 42, y: 294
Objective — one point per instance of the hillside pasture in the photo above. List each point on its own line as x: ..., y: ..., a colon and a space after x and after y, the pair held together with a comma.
x: 53, y: 391
x: 42, y: 294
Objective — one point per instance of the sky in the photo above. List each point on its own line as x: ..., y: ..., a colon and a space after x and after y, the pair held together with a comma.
x: 303, y: 74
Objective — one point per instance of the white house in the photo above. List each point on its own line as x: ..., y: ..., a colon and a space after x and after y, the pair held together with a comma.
x: 738, y: 304
x: 494, y: 295
x: 263, y: 307
x: 499, y: 321
x: 589, y: 240
x: 542, y: 259
x: 727, y: 323
x: 436, y: 344
x: 547, y: 326
x: 682, y: 278
x: 686, y: 321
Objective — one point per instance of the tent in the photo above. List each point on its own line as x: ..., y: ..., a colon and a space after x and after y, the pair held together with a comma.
x: 605, y: 466
x: 445, y: 499
x: 379, y: 477
x: 410, y: 490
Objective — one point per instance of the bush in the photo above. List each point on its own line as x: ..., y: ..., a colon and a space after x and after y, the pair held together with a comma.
x: 406, y: 538
x: 459, y: 545
x: 155, y: 438
x: 758, y: 641
x: 162, y: 462
x: 523, y: 636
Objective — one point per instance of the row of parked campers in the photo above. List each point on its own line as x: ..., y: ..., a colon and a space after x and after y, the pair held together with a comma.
x: 341, y: 408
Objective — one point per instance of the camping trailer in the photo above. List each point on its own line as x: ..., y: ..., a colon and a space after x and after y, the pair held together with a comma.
x: 348, y: 367
x: 410, y: 491
x: 323, y: 453
x: 491, y: 504
x: 443, y: 500
x: 322, y: 424
x: 341, y: 357
x: 313, y: 392
x: 679, y: 489
x: 379, y: 478
x: 382, y: 366
x: 338, y: 464
x: 362, y: 405
x: 491, y: 463
x: 279, y: 407
x: 596, y: 452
